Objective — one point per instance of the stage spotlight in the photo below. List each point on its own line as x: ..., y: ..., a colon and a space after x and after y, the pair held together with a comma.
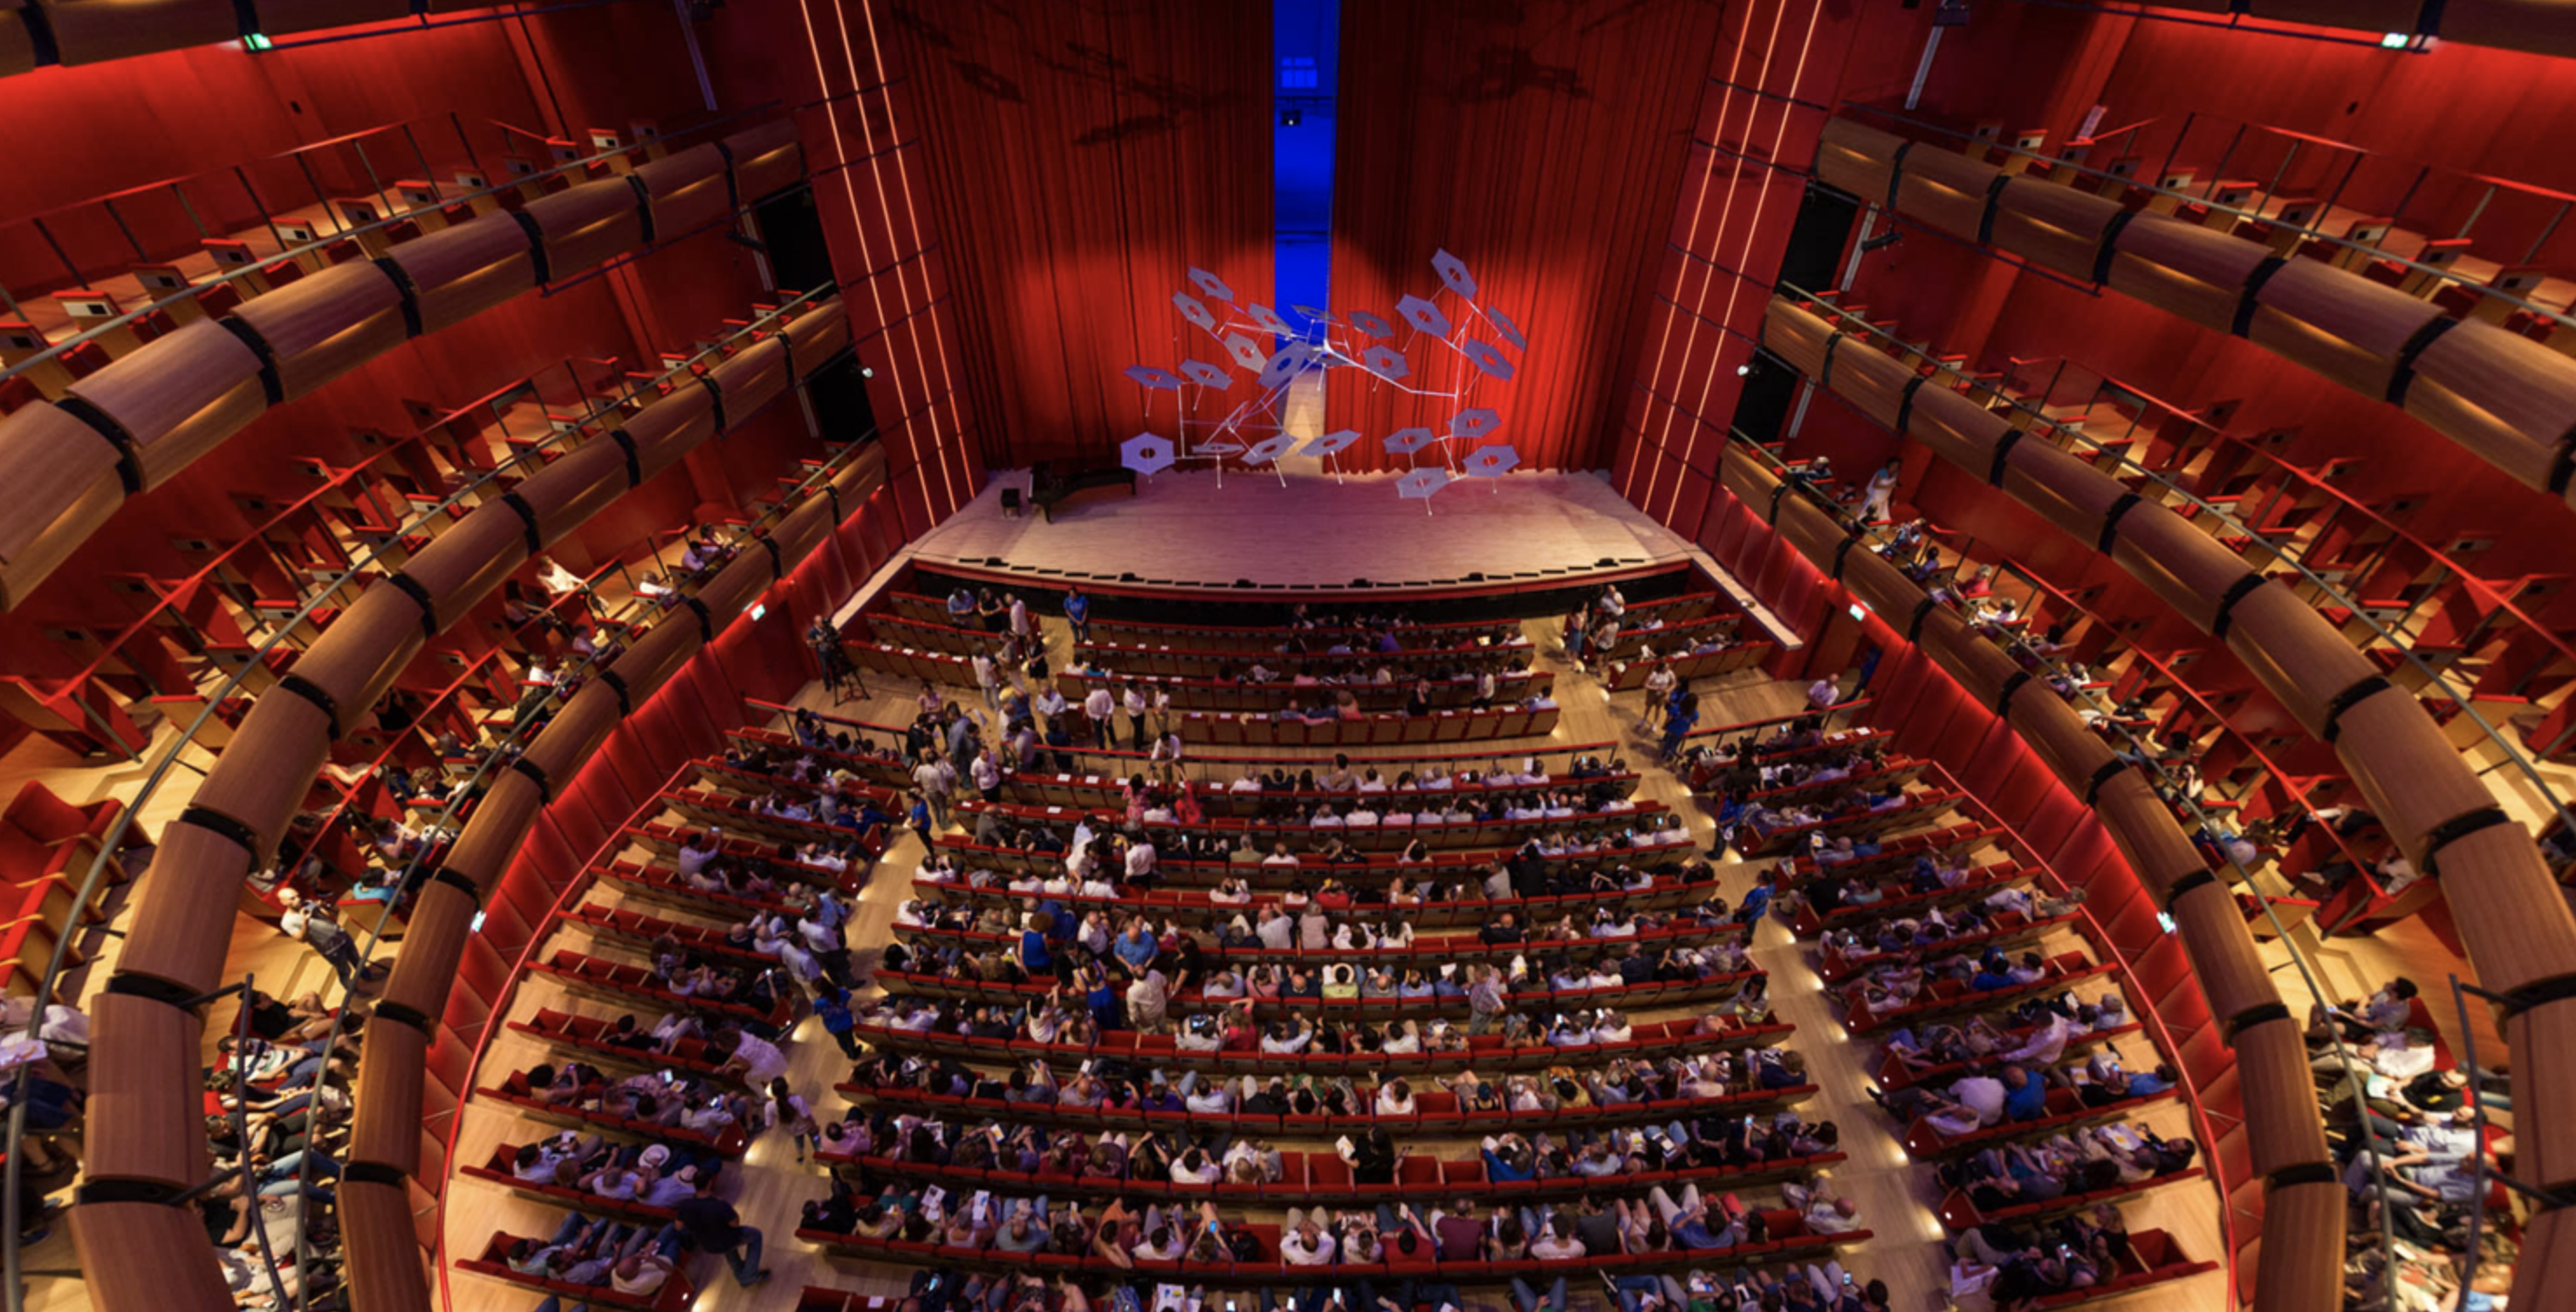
x: 1743, y: 370
x: 1883, y: 240
x: 1291, y: 116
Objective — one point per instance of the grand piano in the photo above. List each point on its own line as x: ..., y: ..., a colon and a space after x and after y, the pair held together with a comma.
x: 1051, y: 482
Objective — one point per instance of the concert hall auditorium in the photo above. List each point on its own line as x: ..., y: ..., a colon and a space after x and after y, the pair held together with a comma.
x: 986, y: 656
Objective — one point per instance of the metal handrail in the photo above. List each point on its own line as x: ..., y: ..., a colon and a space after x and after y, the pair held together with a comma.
x: 195, y: 289
x: 2170, y: 789
x: 10, y: 1175
x: 2405, y: 650
x: 2560, y: 318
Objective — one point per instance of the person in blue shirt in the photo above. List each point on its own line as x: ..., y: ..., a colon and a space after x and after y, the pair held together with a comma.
x: 1683, y: 718
x: 1993, y: 972
x: 1756, y: 901
x: 1077, y: 612
x: 1035, y: 958
x: 2143, y: 1083
x: 1136, y: 948
x: 2025, y: 1096
x: 833, y: 1005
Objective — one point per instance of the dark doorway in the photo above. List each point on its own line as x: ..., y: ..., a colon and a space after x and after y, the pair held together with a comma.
x: 799, y: 259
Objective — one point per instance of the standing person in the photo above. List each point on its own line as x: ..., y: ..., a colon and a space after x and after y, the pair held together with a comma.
x: 788, y: 1109
x: 1099, y: 707
x: 1077, y: 613
x: 833, y: 1005
x: 987, y: 776
x: 1132, y: 701
x: 316, y: 929
x: 934, y: 777
x: 1878, y: 500
x: 1684, y: 718
x: 1660, y: 682
x: 1023, y: 627
x: 1822, y: 694
x: 988, y: 679
x: 713, y: 1226
x: 1578, y: 626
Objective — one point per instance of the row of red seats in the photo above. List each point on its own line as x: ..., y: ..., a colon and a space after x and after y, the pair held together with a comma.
x: 1308, y: 1178
x: 1158, y: 1050
x: 1433, y: 1110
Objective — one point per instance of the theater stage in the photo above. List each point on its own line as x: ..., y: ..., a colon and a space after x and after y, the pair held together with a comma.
x: 1310, y: 529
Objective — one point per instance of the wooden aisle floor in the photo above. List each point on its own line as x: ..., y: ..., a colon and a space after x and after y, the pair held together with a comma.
x: 1895, y: 1197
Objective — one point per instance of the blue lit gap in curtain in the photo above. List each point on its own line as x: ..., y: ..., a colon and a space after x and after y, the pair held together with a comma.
x: 1306, y: 47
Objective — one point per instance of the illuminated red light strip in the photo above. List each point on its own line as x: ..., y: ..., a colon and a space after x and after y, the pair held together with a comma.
x: 876, y: 175
x: 939, y: 338
x: 1725, y: 214
x: 831, y: 107
x: 1762, y: 198
x: 1699, y: 205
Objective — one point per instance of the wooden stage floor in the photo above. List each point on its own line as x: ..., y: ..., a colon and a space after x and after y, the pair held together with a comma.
x: 1309, y: 528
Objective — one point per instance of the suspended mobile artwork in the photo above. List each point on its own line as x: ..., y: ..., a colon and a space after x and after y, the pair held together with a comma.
x: 1402, y: 352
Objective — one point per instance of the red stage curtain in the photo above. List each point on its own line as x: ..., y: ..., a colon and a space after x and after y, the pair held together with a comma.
x: 1542, y: 143
x: 1082, y: 158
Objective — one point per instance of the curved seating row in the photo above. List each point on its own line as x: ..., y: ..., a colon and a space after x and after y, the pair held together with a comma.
x: 1895, y: 1074
x: 666, y: 838
x: 663, y: 884
x: 2302, y: 1200
x: 1966, y: 838
x: 2065, y: 1111
x: 932, y: 610
x: 1497, y: 835
x: 1942, y: 997
x: 1123, y: 763
x: 1917, y: 808
x: 1194, y: 904
x: 1889, y: 769
x: 1385, y: 728
x: 1309, y: 1178
x: 2005, y: 927
x: 1122, y: 659
x: 1690, y: 667
x: 1958, y: 1213
x: 1105, y: 791
x: 149, y: 1140
x: 625, y: 982
x: 1790, y: 1241
x: 1897, y: 899
x: 1243, y: 698
x: 728, y: 1142
x: 1485, y: 1050
x: 1620, y: 996
x: 493, y: 1263
x: 1463, y: 866
x: 2501, y: 396
x: 1425, y: 949
x: 640, y: 927
x: 1434, y: 1109
x: 588, y: 1035
x: 132, y: 426
x: 499, y: 1169
x: 1422, y: 949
